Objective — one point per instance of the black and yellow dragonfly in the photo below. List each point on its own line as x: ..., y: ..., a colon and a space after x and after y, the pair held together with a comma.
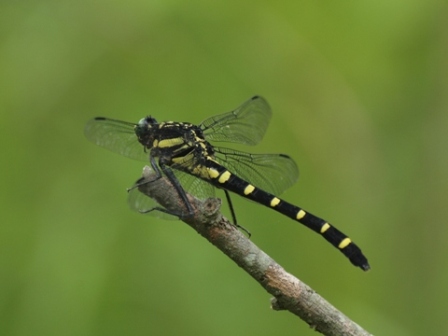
x: 182, y: 152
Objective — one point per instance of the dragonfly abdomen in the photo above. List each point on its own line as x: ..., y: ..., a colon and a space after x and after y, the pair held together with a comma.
x: 223, y: 178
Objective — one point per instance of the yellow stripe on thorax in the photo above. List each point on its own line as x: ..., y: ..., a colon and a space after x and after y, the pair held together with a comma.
x: 183, y: 159
x: 166, y: 143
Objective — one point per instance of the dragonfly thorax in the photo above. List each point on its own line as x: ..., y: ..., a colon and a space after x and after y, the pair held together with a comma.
x: 179, y: 144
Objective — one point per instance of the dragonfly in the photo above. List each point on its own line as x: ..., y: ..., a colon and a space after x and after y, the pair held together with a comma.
x: 183, y: 152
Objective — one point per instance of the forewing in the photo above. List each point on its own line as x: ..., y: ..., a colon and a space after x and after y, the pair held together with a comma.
x: 245, y: 125
x: 117, y: 136
x: 273, y: 173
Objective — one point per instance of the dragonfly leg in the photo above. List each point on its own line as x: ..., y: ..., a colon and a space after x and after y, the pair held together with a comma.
x: 175, y: 182
x: 232, y: 211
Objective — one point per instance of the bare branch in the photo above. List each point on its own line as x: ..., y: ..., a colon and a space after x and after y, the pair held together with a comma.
x: 289, y: 292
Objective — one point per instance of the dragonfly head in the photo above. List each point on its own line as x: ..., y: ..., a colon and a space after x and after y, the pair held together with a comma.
x: 144, y: 130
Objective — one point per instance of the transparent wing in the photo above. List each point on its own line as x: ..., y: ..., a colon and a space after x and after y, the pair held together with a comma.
x: 144, y: 204
x: 117, y: 136
x: 194, y: 185
x: 273, y: 173
x: 245, y: 125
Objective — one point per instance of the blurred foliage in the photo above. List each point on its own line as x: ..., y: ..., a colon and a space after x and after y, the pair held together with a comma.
x: 359, y: 92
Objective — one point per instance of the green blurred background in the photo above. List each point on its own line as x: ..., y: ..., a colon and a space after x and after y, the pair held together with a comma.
x: 359, y: 92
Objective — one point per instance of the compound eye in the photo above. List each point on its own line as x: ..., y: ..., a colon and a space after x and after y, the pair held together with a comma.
x: 147, y: 122
x: 143, y: 122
